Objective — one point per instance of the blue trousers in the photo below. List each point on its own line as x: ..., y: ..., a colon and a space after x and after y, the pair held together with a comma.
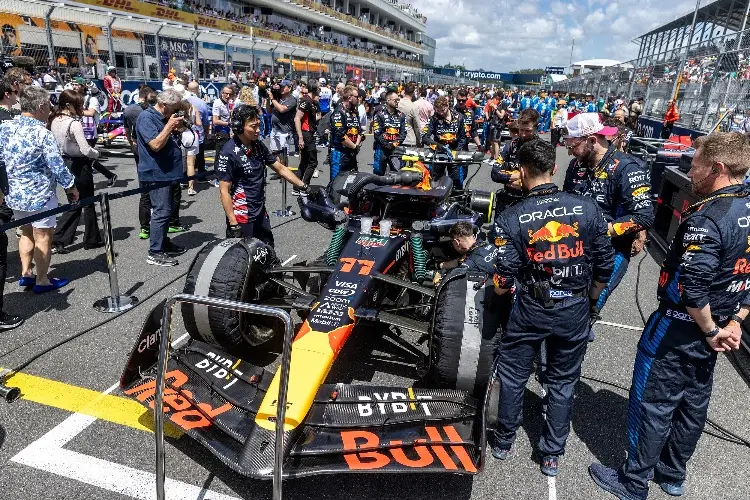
x: 669, y: 396
x: 342, y: 161
x: 161, y: 212
x: 564, y: 329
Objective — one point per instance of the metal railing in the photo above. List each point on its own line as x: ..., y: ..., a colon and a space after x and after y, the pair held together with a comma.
x: 166, y: 339
x: 713, y: 80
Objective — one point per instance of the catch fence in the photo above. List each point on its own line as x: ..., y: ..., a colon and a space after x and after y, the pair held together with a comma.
x: 715, y: 81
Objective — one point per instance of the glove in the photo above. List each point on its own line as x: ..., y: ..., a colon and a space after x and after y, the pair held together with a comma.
x: 234, y: 231
x: 594, y: 315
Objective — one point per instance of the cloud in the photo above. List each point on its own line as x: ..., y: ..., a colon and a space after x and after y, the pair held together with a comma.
x: 507, y: 35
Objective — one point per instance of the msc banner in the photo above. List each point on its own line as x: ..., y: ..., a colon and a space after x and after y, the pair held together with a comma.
x: 173, y: 49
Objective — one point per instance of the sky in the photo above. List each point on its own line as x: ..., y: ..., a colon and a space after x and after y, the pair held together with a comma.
x: 508, y: 35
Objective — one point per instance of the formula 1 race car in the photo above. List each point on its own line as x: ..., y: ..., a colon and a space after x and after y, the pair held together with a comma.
x: 221, y: 388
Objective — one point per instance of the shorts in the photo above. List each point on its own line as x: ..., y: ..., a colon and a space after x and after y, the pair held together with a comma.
x: 281, y: 141
x: 190, y: 143
x: 46, y: 223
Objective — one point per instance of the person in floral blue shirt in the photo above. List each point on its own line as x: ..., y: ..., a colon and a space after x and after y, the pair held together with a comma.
x: 31, y: 159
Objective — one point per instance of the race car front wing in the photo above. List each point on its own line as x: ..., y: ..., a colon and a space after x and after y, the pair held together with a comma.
x: 215, y: 398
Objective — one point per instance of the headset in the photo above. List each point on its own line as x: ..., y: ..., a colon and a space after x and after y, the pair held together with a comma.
x: 239, y: 116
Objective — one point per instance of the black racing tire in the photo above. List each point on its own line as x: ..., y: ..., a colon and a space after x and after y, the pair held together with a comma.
x: 232, y: 269
x: 464, y: 345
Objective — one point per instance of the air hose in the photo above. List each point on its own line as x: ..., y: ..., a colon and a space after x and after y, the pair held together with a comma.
x: 334, y: 247
x: 419, y: 258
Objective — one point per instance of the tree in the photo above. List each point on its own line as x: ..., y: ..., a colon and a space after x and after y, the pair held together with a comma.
x: 527, y: 71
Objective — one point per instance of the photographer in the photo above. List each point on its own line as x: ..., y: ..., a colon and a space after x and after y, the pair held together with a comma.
x: 241, y: 170
x: 306, y: 121
x: 160, y: 163
x: 283, y: 107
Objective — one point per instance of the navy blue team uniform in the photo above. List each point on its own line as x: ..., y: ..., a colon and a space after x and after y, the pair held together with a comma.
x: 620, y: 184
x: 559, y: 239
x: 245, y: 168
x: 450, y: 135
x: 707, y: 263
x: 506, y: 165
x: 344, y: 124
x: 389, y: 131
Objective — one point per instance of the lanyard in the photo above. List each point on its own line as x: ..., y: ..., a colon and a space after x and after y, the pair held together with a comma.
x: 695, y: 206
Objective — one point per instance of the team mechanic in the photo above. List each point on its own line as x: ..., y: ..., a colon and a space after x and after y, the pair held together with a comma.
x: 556, y: 243
x: 445, y: 131
x: 620, y: 185
x: 389, y: 130
x: 505, y: 170
x: 703, y: 298
x: 470, y: 126
x: 241, y: 170
x: 346, y: 132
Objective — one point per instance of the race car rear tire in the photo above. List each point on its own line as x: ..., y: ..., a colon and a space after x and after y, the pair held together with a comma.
x: 464, y: 345
x: 232, y: 269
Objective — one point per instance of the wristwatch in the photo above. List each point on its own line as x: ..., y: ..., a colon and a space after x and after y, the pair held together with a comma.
x: 736, y: 318
x: 713, y: 332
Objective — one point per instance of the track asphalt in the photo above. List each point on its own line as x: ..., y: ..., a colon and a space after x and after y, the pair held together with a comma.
x: 63, y: 442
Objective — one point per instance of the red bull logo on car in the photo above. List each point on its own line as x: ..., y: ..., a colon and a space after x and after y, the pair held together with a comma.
x: 553, y: 231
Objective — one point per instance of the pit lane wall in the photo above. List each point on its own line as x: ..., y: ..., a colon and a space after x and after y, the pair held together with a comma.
x: 651, y: 127
x: 144, y: 41
x: 712, y: 86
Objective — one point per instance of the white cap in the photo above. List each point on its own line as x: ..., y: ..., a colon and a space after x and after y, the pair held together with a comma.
x: 586, y: 124
x: 322, y: 81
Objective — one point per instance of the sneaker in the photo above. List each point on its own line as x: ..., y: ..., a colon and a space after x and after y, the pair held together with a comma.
x: 671, y: 489
x: 144, y: 234
x: 173, y: 250
x: 176, y: 229
x: 499, y: 453
x: 214, y: 183
x: 296, y: 155
x: 549, y: 465
x: 54, y: 284
x: 192, y: 192
x: 295, y: 191
x: 112, y: 181
x: 9, y: 321
x: 161, y: 259
x: 608, y: 479
x: 59, y: 249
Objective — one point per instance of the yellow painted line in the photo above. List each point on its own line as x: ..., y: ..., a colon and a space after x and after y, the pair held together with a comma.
x: 115, y: 409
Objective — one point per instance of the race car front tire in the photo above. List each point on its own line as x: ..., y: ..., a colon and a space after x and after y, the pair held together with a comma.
x: 232, y: 269
x: 467, y: 330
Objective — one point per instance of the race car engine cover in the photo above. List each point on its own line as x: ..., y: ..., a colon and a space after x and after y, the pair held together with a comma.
x: 232, y: 269
x: 464, y: 345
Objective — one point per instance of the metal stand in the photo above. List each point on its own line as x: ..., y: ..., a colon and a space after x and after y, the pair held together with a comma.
x: 161, y: 368
x: 115, y: 303
x: 286, y: 210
